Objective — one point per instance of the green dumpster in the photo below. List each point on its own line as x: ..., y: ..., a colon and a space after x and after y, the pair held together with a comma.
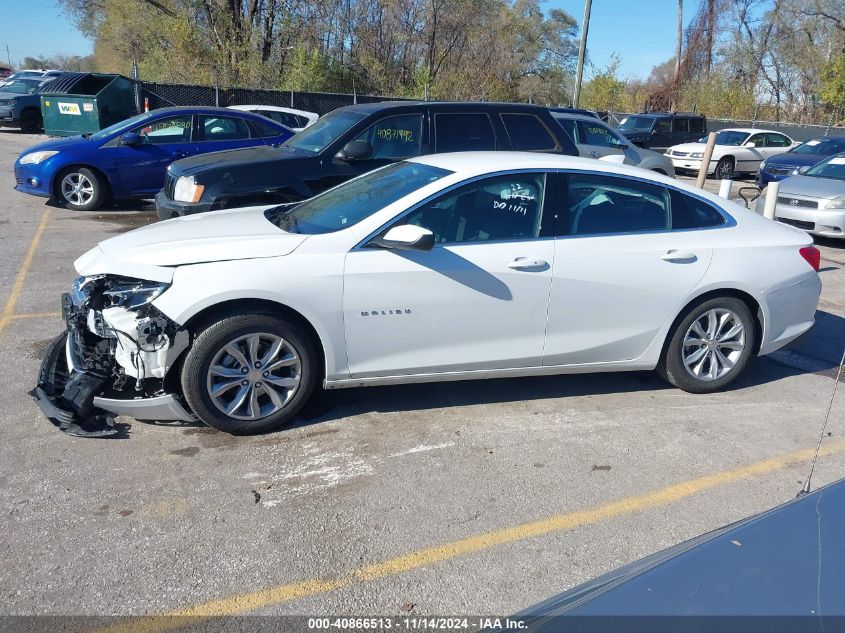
x: 76, y: 103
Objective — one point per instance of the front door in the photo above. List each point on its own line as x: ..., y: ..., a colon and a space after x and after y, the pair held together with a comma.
x: 141, y: 167
x: 596, y: 141
x: 477, y: 300
x: 392, y: 138
x: 621, y: 270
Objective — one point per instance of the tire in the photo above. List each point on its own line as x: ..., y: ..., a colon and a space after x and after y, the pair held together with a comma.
x: 31, y: 122
x: 81, y: 189
x: 724, y: 168
x: 209, y: 393
x: 697, y: 374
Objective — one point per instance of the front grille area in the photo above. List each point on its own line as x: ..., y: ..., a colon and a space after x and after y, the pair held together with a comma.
x: 677, y: 153
x: 797, y: 202
x: 801, y: 224
x: 779, y: 171
x: 169, y: 185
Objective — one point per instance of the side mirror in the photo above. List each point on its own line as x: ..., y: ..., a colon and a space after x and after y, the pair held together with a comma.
x: 131, y: 139
x: 621, y: 145
x: 355, y: 150
x: 804, y: 169
x: 618, y: 159
x: 406, y: 237
x: 751, y: 145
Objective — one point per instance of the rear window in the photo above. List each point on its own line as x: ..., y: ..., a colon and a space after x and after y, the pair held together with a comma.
x: 689, y: 212
x: 528, y: 133
x: 463, y: 132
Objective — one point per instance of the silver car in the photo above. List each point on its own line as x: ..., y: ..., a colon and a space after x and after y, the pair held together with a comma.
x: 814, y: 199
x: 595, y: 139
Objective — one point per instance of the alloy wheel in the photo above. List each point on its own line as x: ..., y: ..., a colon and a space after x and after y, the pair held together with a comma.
x: 254, y: 376
x: 713, y: 344
x: 77, y: 189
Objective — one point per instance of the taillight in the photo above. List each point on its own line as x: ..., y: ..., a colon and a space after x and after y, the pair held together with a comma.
x: 812, y: 255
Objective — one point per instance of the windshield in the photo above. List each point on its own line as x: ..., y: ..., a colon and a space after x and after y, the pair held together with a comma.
x: 731, y: 137
x: 351, y: 202
x: 126, y: 123
x: 22, y: 86
x: 833, y: 167
x: 821, y: 147
x: 328, y: 128
x: 639, y: 123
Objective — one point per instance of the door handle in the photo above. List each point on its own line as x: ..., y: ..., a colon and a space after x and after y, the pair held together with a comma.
x: 678, y: 256
x: 593, y: 154
x: 527, y: 263
x: 181, y: 154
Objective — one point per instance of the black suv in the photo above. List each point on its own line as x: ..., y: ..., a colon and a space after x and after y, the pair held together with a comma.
x: 660, y: 130
x: 348, y: 142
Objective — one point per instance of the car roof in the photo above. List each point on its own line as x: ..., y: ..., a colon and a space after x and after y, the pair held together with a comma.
x: 254, y: 106
x: 576, y: 116
x: 659, y: 114
x: 198, y: 110
x: 749, y: 130
x: 368, y: 108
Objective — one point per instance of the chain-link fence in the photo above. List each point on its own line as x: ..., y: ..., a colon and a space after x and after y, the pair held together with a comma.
x: 161, y: 95
x: 796, y: 131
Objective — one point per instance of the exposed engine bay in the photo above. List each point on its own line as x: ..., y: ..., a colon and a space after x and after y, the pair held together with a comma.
x: 113, y: 358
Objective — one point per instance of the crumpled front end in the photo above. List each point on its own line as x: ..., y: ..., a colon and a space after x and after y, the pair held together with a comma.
x: 114, y: 358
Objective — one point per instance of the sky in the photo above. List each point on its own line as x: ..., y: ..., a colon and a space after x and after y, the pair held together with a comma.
x: 641, y: 31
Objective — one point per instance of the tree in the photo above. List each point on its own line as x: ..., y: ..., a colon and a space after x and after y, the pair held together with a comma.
x: 832, y: 89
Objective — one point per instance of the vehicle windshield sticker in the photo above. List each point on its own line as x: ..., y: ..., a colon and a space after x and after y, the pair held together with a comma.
x: 839, y: 160
x: 395, y: 134
x: 813, y: 142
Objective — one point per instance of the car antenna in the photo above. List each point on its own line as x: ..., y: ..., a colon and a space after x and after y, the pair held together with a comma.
x: 806, y: 487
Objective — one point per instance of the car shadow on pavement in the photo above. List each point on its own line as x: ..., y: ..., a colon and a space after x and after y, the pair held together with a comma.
x: 817, y: 352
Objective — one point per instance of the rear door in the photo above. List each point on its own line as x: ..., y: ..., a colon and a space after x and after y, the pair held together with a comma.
x: 141, y: 167
x: 661, y: 136
x: 464, y: 131
x: 393, y: 137
x: 624, y: 262
x: 596, y: 140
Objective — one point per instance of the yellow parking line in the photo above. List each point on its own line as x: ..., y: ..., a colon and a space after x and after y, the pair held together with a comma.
x: 35, y: 315
x: 9, y: 309
x: 429, y: 556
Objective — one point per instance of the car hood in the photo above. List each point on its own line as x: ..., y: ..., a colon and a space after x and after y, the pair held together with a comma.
x: 58, y: 144
x: 147, y: 252
x: 690, y: 147
x: 240, y: 158
x: 812, y: 187
x: 791, y: 159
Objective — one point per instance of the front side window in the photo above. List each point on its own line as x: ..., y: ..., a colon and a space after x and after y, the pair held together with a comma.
x: 355, y: 200
x: 223, y: 128
x: 568, y: 126
x: 176, y: 129
x: 601, y: 204
x: 463, y: 132
x: 597, y: 134
x: 499, y: 208
x: 528, y: 133
x: 395, y: 137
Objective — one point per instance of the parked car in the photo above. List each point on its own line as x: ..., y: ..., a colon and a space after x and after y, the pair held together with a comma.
x: 20, y: 103
x: 5, y: 72
x: 594, y: 139
x: 129, y: 159
x: 352, y: 141
x: 737, y: 151
x: 779, y: 570
x: 30, y: 74
x: 659, y: 130
x: 296, y: 120
x: 804, y: 155
x: 814, y: 200
x: 444, y: 267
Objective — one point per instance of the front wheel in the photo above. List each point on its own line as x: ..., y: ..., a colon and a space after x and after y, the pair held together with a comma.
x: 81, y: 189
x: 710, y: 347
x: 724, y: 168
x: 249, y: 373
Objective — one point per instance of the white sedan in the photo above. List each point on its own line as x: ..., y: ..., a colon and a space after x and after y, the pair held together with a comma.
x: 296, y: 120
x: 445, y: 267
x: 737, y: 150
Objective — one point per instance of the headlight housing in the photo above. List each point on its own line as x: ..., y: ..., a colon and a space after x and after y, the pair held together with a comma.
x: 131, y: 294
x: 836, y: 203
x: 187, y: 190
x: 697, y: 155
x: 33, y: 158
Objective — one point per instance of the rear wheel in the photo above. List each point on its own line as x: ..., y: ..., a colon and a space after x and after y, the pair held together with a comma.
x: 710, y: 347
x: 31, y: 122
x: 249, y: 373
x: 81, y: 189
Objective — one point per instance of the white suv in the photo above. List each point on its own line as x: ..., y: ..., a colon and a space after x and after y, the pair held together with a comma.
x: 450, y: 266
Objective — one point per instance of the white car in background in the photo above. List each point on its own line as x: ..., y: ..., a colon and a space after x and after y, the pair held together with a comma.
x: 444, y: 267
x: 737, y: 150
x: 296, y: 120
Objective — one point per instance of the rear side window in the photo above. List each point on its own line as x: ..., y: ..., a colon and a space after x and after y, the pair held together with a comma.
x: 528, y: 133
x: 264, y: 130
x: 463, y: 132
x: 223, y: 128
x: 696, y: 124
x: 689, y: 212
x: 285, y: 118
x: 680, y: 124
x: 777, y: 140
x: 663, y: 125
x: 602, y: 204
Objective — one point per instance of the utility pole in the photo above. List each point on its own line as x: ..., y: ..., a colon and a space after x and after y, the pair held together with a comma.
x: 8, y: 55
x: 582, y: 51
x: 679, y: 41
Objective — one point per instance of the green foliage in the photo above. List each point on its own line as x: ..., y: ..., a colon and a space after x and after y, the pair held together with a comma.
x: 832, y: 88
x: 604, y: 90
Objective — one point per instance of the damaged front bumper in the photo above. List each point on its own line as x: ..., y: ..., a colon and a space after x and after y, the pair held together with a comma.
x: 111, y: 361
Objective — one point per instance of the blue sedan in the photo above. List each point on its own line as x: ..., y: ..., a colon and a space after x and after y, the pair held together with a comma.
x: 805, y: 155
x: 129, y: 159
